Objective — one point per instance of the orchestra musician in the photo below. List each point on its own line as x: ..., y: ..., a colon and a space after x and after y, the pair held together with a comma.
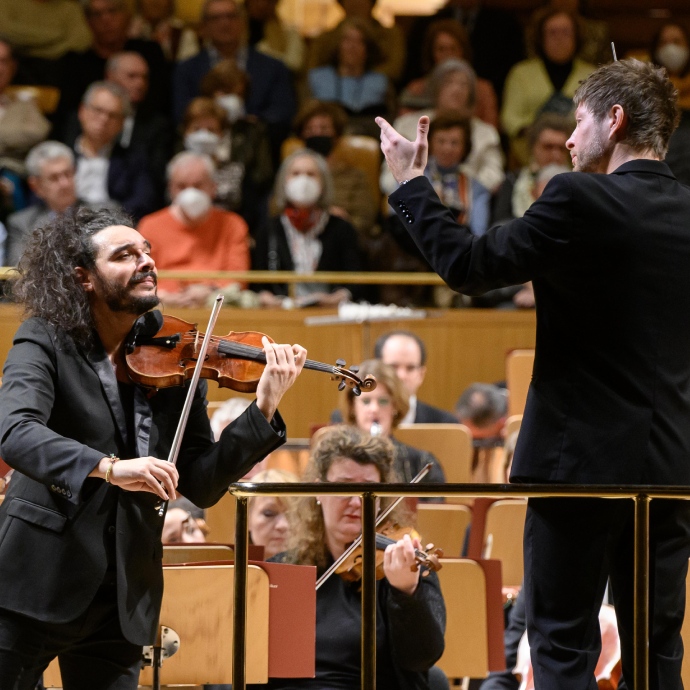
x: 410, y: 613
x: 80, y: 527
x: 607, y: 248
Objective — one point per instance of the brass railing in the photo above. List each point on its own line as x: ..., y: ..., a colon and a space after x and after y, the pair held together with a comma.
x: 641, y: 496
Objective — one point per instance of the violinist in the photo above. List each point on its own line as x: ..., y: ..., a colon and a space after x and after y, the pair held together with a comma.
x: 80, y: 527
x: 410, y: 618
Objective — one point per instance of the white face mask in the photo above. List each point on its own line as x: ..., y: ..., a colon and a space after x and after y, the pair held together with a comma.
x: 673, y: 57
x: 233, y: 106
x: 193, y: 202
x: 302, y: 190
x: 202, y: 141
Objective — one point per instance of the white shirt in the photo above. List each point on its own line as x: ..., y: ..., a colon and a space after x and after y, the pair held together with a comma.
x: 91, y: 178
x: 412, y: 412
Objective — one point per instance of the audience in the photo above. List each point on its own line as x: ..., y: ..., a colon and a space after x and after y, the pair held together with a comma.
x: 107, y: 173
x: 50, y: 166
x: 380, y: 412
x: 320, y: 127
x: 184, y: 523
x: 671, y: 49
x: 389, y: 40
x: 305, y: 237
x: 155, y: 21
x: 447, y: 39
x: 545, y: 83
x: 192, y: 234
x: 21, y: 123
x: 271, y: 97
x: 449, y: 146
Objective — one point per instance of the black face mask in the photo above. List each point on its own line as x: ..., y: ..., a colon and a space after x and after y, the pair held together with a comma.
x: 322, y: 145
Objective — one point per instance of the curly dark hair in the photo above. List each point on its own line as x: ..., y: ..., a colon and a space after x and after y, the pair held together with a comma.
x: 45, y: 282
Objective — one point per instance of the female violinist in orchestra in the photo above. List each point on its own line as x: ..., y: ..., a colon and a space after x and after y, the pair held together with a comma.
x: 410, y: 617
x: 379, y: 412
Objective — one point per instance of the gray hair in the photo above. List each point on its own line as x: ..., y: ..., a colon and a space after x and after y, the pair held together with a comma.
x: 185, y: 157
x: 115, y: 89
x: 482, y: 403
x: 44, y: 152
x: 324, y: 201
x: 444, y: 70
x: 113, y: 63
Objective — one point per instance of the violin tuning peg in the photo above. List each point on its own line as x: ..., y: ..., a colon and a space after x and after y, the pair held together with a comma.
x: 339, y: 362
x: 341, y: 385
x: 354, y: 369
x: 356, y: 390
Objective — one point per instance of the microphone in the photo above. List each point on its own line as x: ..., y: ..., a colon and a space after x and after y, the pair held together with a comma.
x: 376, y: 429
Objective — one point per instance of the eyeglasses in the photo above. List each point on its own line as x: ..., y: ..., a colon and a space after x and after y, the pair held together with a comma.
x: 110, y: 114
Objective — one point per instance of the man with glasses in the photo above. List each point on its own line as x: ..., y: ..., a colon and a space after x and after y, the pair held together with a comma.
x: 271, y: 97
x: 106, y: 173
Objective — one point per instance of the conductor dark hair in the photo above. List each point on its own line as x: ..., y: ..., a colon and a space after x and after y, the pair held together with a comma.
x: 647, y: 96
x: 45, y: 282
x: 378, y: 347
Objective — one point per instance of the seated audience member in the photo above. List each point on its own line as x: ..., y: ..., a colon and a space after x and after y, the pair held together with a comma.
x: 107, y: 173
x: 144, y: 129
x: 446, y: 39
x: 452, y: 86
x: 547, y: 137
x: 184, y: 523
x: 155, y: 21
x: 320, y: 126
x: 43, y: 32
x: 449, y: 146
x: 271, y: 36
x: 305, y: 237
x: 350, y: 80
x: 671, y: 49
x: 406, y: 353
x: 108, y: 21
x: 192, y: 234
x: 390, y: 41
x: 545, y: 83
x: 21, y: 123
x: 243, y: 156
x: 271, y: 97
x: 267, y: 515
x: 483, y: 409
x: 410, y: 618
x: 379, y: 413
x: 50, y: 166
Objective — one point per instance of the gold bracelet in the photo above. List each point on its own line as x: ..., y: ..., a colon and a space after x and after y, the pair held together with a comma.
x: 113, y: 460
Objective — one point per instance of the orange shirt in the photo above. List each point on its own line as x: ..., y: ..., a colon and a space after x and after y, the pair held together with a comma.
x: 218, y: 244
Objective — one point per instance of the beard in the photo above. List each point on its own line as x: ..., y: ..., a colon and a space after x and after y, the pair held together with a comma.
x: 119, y: 299
x: 590, y: 157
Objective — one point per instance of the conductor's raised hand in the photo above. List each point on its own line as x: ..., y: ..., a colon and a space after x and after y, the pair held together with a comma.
x: 406, y: 159
x: 283, y: 365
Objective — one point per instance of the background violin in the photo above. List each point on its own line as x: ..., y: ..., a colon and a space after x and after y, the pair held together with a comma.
x: 162, y: 352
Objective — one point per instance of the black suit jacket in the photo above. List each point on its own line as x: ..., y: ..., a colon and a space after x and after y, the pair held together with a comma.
x: 428, y: 414
x: 608, y: 255
x: 60, y: 413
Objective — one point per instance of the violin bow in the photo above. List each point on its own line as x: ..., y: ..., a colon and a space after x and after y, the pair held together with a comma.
x: 194, y: 382
x: 422, y: 473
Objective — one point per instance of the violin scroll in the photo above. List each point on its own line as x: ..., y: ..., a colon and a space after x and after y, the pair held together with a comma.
x: 348, y: 378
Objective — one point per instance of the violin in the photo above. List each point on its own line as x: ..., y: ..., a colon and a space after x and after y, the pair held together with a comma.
x: 427, y: 560
x: 162, y: 351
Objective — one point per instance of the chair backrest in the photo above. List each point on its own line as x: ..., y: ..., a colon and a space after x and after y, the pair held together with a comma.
x: 220, y: 519
x: 512, y: 424
x: 474, y: 619
x: 505, y: 522
x: 46, y: 97
x: 519, y: 365
x: 443, y: 525
x: 450, y: 443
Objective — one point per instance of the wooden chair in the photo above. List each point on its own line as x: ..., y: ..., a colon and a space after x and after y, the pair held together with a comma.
x: 46, y: 97
x: 443, y: 525
x: 220, y: 520
x: 504, y: 526
x: 474, y: 618
x: 519, y: 365
x: 450, y: 443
